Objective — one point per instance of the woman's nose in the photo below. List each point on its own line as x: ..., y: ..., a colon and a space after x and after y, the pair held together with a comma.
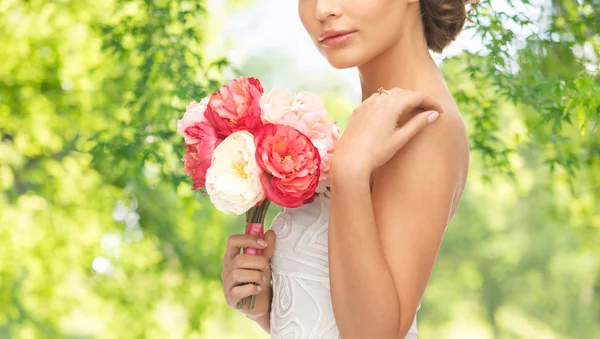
x: 328, y: 9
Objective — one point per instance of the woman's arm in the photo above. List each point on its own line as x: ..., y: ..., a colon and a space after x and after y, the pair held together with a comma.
x: 382, y: 245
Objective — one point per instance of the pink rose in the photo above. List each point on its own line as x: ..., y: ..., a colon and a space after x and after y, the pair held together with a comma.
x: 235, y: 107
x: 198, y: 156
x: 290, y: 162
x: 194, y: 114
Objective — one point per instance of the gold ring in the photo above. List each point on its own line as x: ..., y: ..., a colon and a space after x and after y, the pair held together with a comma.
x: 381, y: 91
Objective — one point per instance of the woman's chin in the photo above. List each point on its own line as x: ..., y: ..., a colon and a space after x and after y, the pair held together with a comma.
x: 343, y: 60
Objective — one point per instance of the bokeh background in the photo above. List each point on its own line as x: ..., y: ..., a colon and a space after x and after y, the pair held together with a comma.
x: 101, y: 235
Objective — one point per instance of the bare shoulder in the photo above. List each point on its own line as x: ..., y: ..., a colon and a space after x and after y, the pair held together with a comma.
x: 444, y: 140
x: 436, y: 158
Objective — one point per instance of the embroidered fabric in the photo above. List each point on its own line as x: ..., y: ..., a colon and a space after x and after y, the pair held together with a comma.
x: 302, y: 306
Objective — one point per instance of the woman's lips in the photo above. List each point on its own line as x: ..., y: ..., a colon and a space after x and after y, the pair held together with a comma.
x: 337, y: 39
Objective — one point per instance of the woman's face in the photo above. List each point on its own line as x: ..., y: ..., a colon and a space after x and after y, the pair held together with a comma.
x: 351, y: 32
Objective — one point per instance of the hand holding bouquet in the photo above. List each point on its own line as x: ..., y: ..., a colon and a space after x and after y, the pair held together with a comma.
x: 248, y: 149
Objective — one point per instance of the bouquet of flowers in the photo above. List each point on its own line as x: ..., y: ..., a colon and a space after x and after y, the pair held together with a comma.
x: 248, y: 149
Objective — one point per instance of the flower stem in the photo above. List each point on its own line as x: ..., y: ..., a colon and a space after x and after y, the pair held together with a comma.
x: 255, y: 219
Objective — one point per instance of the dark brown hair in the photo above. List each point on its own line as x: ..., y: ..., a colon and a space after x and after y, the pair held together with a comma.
x: 443, y: 20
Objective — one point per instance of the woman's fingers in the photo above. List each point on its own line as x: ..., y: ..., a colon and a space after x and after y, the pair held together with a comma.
x: 250, y: 261
x: 244, y: 275
x: 414, y: 126
x: 240, y: 292
x: 270, y: 239
x: 408, y: 100
x: 239, y: 277
x: 245, y: 261
x: 397, y: 90
x: 401, y: 100
x: 238, y: 241
x: 404, y: 100
x: 242, y: 283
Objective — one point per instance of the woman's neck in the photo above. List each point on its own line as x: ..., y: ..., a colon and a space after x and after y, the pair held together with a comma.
x: 407, y: 64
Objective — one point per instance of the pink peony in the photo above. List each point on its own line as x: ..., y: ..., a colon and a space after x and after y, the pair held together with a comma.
x: 326, y: 144
x: 235, y: 107
x: 276, y: 103
x: 194, y: 114
x: 305, y: 112
x: 291, y: 164
x: 198, y: 156
x: 280, y: 101
x: 310, y: 118
x: 309, y: 102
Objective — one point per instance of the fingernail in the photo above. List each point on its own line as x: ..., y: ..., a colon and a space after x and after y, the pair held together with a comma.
x: 262, y: 243
x: 259, y: 288
x: 264, y: 278
x: 432, y: 117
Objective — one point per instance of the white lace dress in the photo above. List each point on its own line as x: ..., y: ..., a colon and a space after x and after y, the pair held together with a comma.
x: 302, y: 306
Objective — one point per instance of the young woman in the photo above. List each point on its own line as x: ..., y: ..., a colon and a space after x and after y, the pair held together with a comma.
x: 355, y: 262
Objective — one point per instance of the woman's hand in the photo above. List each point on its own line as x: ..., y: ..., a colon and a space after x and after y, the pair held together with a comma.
x: 255, y: 270
x: 372, y: 135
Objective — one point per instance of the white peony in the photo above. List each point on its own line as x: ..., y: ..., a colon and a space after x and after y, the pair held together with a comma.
x: 233, y: 179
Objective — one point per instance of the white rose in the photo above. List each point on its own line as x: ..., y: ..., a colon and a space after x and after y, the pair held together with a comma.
x: 233, y: 179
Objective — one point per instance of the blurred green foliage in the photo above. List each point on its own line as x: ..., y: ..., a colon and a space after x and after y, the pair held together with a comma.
x: 101, y: 236
x: 548, y: 65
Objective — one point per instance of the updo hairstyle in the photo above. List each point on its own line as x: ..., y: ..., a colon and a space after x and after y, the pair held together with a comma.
x: 443, y: 20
